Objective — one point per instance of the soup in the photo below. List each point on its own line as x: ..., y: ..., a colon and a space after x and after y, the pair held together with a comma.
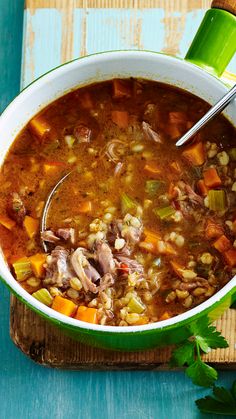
x: 139, y: 231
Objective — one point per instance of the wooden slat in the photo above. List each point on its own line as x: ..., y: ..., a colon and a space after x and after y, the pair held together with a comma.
x: 48, y: 346
x: 179, y: 5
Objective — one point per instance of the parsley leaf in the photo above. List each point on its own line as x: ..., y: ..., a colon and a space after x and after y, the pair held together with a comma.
x: 223, y: 401
x: 184, y: 354
x: 207, y: 335
x: 201, y: 373
x: 204, y: 337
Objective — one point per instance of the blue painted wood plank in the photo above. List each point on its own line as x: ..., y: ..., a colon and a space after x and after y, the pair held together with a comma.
x: 11, y: 21
x: 97, y: 30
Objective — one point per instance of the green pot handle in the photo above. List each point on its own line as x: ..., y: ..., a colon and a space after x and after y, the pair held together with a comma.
x: 215, y: 41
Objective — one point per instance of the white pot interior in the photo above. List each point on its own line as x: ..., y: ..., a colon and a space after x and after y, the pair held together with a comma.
x: 97, y: 68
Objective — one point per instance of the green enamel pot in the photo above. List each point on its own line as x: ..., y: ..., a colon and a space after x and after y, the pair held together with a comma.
x: 208, y: 56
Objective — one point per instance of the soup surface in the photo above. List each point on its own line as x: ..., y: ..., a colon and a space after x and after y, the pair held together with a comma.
x: 139, y: 231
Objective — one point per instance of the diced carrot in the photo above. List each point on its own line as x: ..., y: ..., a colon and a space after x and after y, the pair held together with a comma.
x: 37, y: 261
x: 152, y: 236
x: 86, y: 100
x: 87, y: 314
x: 211, y: 178
x: 152, y: 168
x: 202, y: 187
x: 39, y: 127
x: 165, y: 316
x: 120, y: 118
x: 85, y: 207
x: 177, y: 117
x: 7, y: 222
x: 222, y: 244
x: 173, y: 130
x: 52, y: 166
x: 230, y: 257
x: 213, y: 230
x: 31, y: 226
x: 195, y: 154
x: 121, y: 89
x: 154, y: 244
x: 150, y: 242
x: 177, y: 268
x: 64, y: 306
x: 176, y: 167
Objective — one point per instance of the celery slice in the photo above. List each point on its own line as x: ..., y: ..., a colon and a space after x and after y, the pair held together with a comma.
x: 135, y: 305
x: 232, y: 153
x: 164, y: 213
x: 217, y: 200
x: 43, y: 296
x: 152, y: 186
x: 128, y: 204
x: 22, y: 268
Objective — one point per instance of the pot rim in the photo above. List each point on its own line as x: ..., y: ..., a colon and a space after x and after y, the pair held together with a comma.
x: 44, y: 310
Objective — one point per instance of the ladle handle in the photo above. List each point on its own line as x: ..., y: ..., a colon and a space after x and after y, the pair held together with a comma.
x: 215, y: 110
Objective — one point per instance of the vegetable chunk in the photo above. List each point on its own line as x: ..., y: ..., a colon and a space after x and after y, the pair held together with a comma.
x: 120, y: 118
x: 211, y: 178
x: 121, y: 89
x: 40, y: 127
x: 37, y: 264
x: 64, y: 306
x: 31, y: 226
x: 195, y: 154
x: 7, y: 222
x: 87, y: 314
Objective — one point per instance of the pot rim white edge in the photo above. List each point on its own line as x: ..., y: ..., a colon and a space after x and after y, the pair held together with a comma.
x: 16, y: 287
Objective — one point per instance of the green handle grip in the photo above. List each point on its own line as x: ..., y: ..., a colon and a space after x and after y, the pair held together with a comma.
x: 215, y: 42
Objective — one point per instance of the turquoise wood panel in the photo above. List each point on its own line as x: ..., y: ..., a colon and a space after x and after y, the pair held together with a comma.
x: 29, y: 391
x: 11, y: 17
x: 41, y: 51
x: 104, y: 29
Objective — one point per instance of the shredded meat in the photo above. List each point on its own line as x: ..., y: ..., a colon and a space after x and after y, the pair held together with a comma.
x: 49, y: 236
x: 106, y: 281
x: 150, y: 134
x: 132, y: 264
x: 199, y: 282
x: 193, y: 197
x: 114, y: 231
x: 82, y: 133
x: 84, y: 270
x: 132, y: 234
x: 105, y: 257
x: 67, y: 234
x: 186, y: 189
x: 58, y: 269
x: 15, y: 208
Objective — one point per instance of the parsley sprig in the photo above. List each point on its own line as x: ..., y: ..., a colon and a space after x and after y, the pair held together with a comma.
x: 204, y: 337
x: 223, y: 401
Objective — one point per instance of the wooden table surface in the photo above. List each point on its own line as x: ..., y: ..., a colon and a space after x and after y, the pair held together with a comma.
x: 29, y: 391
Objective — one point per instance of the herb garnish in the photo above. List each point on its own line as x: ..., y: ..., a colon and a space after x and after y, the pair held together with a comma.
x: 204, y: 337
x: 223, y: 401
